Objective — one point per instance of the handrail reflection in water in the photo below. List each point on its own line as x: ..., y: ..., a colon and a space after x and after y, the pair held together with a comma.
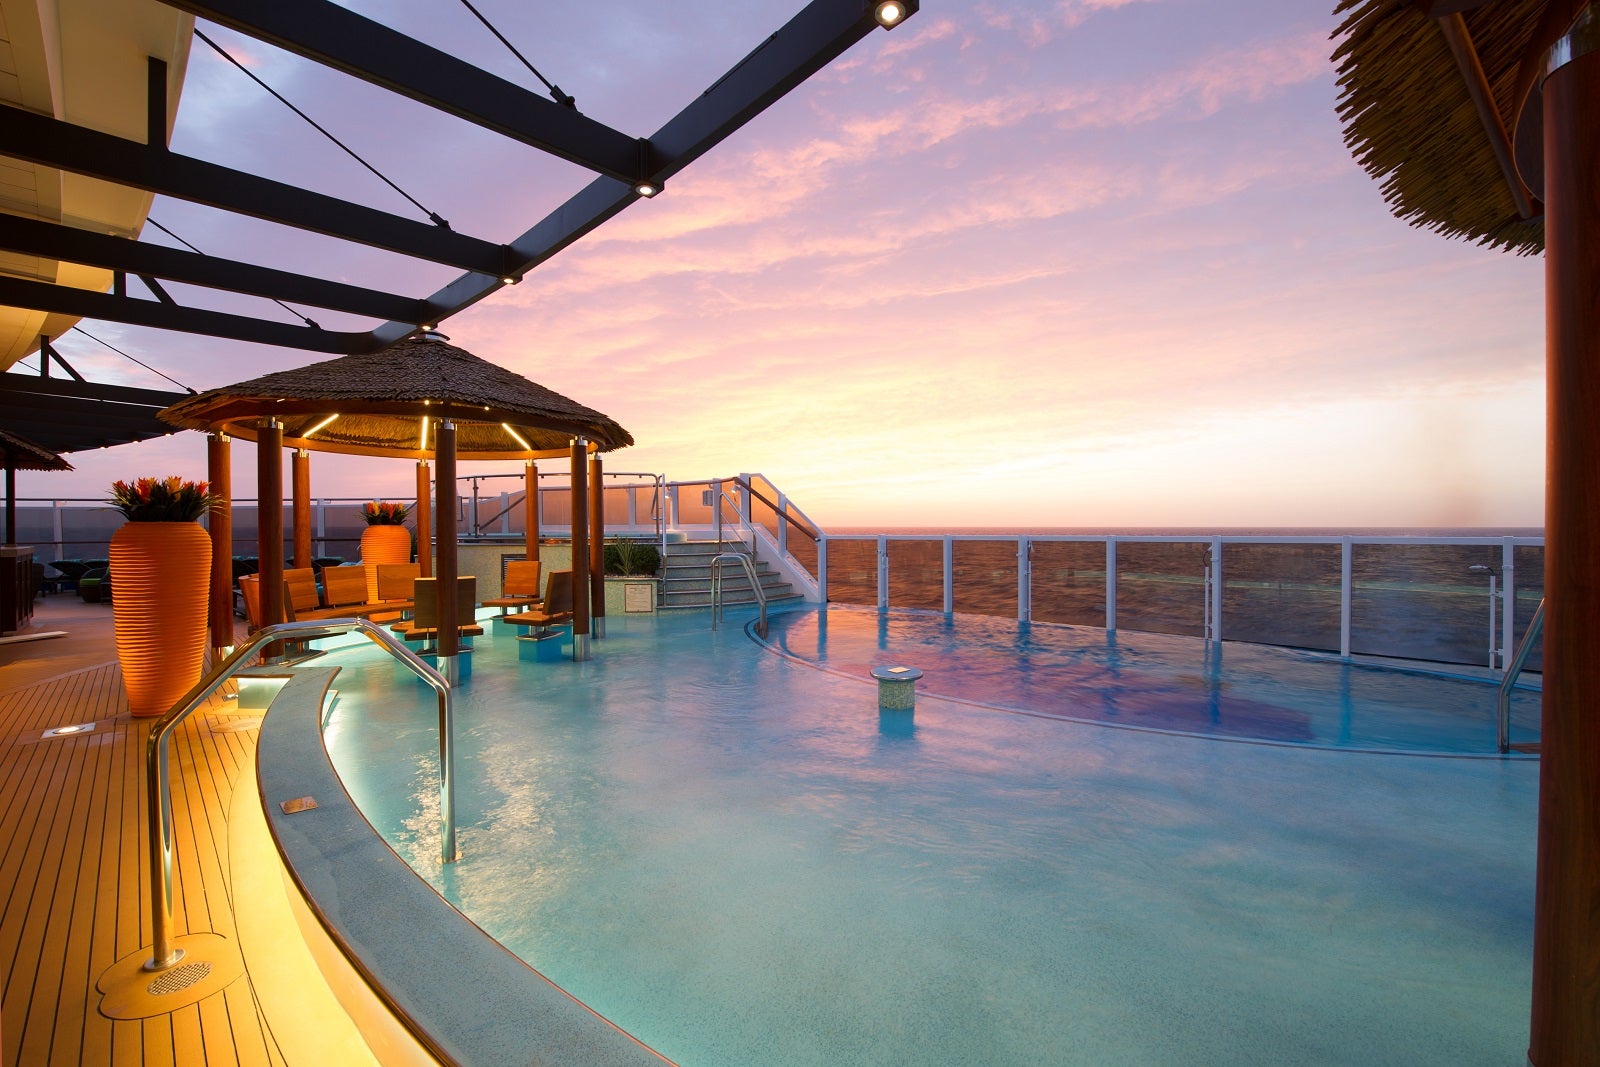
x: 159, y: 796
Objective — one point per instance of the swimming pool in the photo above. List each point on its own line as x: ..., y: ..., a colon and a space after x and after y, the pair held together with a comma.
x: 734, y: 856
x: 1225, y: 690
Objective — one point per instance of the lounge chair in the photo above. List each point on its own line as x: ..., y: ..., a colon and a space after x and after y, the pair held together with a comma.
x: 557, y: 608
x: 395, y: 581
x: 520, y: 589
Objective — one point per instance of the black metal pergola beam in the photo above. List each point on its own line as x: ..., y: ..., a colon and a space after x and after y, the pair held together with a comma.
x: 93, y: 249
x: 70, y: 416
x: 817, y: 35
x: 86, y: 303
x: 51, y: 143
x: 335, y: 37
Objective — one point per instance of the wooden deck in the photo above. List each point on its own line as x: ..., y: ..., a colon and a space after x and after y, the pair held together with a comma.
x: 73, y: 874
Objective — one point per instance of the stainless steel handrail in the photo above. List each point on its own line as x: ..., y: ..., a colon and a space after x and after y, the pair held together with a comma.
x: 755, y: 585
x: 1524, y: 647
x: 159, y: 796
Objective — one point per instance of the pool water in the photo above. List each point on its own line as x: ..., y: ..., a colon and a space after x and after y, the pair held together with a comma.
x: 1162, y: 682
x: 735, y: 857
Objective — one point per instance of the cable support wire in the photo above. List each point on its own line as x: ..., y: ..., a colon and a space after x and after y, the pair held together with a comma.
x: 433, y: 216
x: 125, y: 355
x: 297, y: 314
x: 555, y: 90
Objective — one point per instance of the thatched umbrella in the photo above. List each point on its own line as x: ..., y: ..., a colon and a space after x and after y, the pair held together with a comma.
x: 1478, y: 117
x: 422, y: 398
x: 21, y: 454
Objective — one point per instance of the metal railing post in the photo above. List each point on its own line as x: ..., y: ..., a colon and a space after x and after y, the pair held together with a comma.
x: 822, y: 568
x: 883, y: 574
x: 1508, y: 600
x: 1111, y: 585
x: 1024, y: 579
x: 1346, y: 597
x: 949, y: 569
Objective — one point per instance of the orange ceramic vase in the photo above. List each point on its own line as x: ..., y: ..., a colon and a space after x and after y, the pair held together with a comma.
x: 383, y: 544
x: 160, y: 574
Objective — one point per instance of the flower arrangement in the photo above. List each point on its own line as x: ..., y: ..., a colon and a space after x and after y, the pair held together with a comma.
x: 162, y: 499
x: 385, y: 514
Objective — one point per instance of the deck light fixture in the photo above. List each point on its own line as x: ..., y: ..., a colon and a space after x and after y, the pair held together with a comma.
x: 320, y: 426
x: 889, y: 13
x: 646, y: 189
x: 517, y: 437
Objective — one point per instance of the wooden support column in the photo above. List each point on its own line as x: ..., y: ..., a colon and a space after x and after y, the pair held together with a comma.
x: 530, y: 509
x: 300, y: 487
x: 597, y: 545
x: 423, y: 512
x: 580, y: 552
x: 11, y: 504
x: 219, y: 472
x: 444, y: 480
x: 1565, y: 1030
x: 269, y: 519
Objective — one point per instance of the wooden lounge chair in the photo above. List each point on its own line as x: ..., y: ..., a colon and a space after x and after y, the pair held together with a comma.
x: 557, y: 608
x: 424, y: 624
x: 344, y: 596
x: 520, y: 589
x: 395, y: 585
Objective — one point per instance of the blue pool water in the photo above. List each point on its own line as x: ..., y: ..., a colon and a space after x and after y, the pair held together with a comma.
x: 1163, y: 682
x: 732, y: 855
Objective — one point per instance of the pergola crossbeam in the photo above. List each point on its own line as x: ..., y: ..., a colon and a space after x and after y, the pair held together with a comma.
x: 51, y: 143
x: 343, y: 40
x: 86, y: 303
x: 73, y: 245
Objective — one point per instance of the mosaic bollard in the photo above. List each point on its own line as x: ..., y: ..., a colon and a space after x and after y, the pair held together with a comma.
x: 897, y: 687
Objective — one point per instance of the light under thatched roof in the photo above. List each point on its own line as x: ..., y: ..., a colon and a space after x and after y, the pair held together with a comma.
x: 1408, y: 71
x: 21, y: 454
x: 382, y: 398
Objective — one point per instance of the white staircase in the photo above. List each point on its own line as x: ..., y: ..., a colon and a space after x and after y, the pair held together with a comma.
x: 686, y: 577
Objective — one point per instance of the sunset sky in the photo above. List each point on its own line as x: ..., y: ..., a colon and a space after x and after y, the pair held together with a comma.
x: 1083, y: 263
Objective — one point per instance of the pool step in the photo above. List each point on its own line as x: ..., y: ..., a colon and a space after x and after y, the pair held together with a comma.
x: 686, y: 577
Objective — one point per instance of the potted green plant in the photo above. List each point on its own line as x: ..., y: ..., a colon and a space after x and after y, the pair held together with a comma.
x: 161, y: 563
x: 635, y: 564
x: 385, y: 540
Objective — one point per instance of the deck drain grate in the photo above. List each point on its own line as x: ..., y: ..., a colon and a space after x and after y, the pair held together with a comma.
x: 178, y: 979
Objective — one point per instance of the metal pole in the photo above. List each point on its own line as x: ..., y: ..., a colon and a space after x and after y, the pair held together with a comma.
x: 1111, y: 585
x: 1346, y: 599
x: 949, y: 575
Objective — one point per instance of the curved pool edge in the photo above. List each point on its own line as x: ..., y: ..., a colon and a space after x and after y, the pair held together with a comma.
x: 452, y: 989
x: 767, y: 643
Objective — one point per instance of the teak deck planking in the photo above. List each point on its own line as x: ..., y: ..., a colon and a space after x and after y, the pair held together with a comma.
x: 73, y: 884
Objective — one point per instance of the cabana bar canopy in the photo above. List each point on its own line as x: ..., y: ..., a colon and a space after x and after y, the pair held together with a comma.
x: 1430, y: 92
x: 378, y: 402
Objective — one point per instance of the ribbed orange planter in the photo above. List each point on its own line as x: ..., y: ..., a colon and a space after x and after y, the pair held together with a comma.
x: 160, y: 573
x: 383, y: 544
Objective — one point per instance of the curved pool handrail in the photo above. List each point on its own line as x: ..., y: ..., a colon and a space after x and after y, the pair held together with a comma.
x: 1513, y: 670
x: 755, y: 586
x: 159, y: 795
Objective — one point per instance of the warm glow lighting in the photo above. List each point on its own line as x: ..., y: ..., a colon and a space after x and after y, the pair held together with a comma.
x: 508, y: 280
x: 889, y: 13
x: 423, y: 447
x: 517, y: 437
x: 320, y: 426
x: 646, y: 189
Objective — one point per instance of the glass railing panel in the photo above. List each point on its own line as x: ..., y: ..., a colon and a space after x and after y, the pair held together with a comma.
x: 1282, y: 594
x: 694, y: 504
x: 986, y: 578
x: 852, y: 572
x: 86, y: 531
x: 1069, y: 582
x: 803, y: 551
x: 556, y: 507
x: 1161, y: 587
x: 613, y: 501
x: 1422, y: 601
x: 764, y: 515
x: 1529, y: 563
x: 916, y: 575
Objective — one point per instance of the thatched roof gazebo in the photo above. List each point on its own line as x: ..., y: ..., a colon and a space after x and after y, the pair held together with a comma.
x: 1478, y: 117
x: 21, y: 454
x: 420, y: 399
